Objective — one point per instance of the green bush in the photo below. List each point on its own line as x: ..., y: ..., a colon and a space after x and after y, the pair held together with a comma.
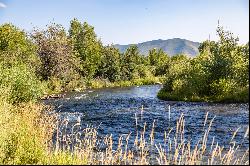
x: 223, y: 87
x: 21, y: 83
x: 227, y: 90
x: 75, y: 85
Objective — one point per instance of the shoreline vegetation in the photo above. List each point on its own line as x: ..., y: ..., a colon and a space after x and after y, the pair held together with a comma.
x: 220, y: 73
x: 49, y: 61
x: 101, y: 83
x: 31, y: 135
x: 52, y: 60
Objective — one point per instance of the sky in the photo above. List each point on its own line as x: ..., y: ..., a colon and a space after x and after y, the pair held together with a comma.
x: 134, y: 21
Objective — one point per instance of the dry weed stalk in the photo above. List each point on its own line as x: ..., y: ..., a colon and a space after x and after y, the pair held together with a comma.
x: 176, y: 150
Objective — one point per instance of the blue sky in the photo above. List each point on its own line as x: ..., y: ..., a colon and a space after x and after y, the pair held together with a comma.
x: 134, y: 21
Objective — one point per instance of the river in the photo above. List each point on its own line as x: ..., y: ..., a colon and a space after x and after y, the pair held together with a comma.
x: 113, y: 111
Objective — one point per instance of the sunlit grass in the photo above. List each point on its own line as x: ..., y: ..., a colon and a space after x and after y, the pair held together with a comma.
x: 34, y: 134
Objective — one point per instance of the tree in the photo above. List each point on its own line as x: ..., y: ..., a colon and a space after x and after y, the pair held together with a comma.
x: 220, y: 57
x: 18, y: 65
x: 130, y: 60
x: 16, y: 47
x: 56, y: 53
x: 86, y: 46
x: 159, y: 61
x: 110, y: 66
x: 153, y: 57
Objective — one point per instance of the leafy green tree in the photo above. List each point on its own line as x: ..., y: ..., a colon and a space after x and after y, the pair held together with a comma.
x: 244, y: 68
x: 110, y: 66
x: 226, y: 65
x: 159, y: 61
x: 16, y: 47
x: 86, y: 46
x: 130, y: 60
x: 153, y: 57
x: 163, y: 63
x: 74, y: 31
x: 219, y: 57
x: 178, y: 69
x: 18, y: 66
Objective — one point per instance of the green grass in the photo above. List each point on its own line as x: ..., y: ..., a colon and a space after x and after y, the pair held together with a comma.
x: 241, y: 96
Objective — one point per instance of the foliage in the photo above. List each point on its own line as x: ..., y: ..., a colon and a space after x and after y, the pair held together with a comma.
x: 159, y: 60
x: 74, y: 60
x: 86, y: 46
x: 21, y: 83
x: 219, y: 73
x: 56, y: 53
x: 110, y: 66
x: 16, y: 47
x: 130, y: 59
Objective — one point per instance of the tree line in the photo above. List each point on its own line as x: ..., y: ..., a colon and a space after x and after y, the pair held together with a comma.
x: 56, y: 60
x: 64, y: 60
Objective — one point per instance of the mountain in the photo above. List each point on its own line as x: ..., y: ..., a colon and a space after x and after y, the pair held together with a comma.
x: 170, y: 46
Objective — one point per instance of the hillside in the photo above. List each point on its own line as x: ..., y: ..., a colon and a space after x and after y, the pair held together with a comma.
x: 170, y: 46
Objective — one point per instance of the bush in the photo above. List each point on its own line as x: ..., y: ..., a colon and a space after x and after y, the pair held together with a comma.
x: 227, y: 90
x: 21, y: 83
x: 223, y: 87
x: 75, y: 84
x: 99, y: 83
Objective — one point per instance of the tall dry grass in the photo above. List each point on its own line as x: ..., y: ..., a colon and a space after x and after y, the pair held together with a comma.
x: 84, y: 144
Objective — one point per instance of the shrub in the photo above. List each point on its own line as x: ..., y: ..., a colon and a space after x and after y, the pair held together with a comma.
x: 99, y: 83
x: 228, y: 90
x: 21, y: 83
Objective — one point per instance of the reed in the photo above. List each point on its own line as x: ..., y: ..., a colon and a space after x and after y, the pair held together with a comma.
x: 176, y: 149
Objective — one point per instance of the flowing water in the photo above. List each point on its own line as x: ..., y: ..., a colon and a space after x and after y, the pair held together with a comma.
x: 113, y: 111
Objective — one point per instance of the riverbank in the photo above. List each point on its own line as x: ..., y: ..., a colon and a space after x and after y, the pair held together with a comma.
x: 26, y: 136
x: 32, y: 133
x: 240, y: 96
x: 58, y: 90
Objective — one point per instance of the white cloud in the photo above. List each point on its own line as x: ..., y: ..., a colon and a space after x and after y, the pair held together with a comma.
x: 2, y: 5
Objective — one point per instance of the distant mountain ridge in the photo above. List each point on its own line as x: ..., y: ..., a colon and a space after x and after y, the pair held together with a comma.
x: 170, y: 46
